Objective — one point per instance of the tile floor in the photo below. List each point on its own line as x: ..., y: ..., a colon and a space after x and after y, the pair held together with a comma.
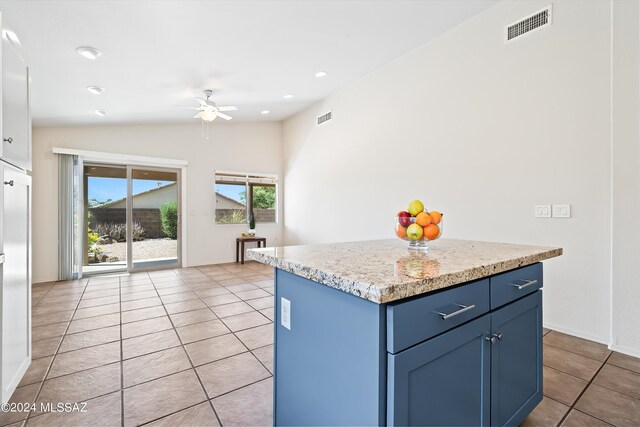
x: 194, y: 347
x: 585, y: 384
x: 189, y: 346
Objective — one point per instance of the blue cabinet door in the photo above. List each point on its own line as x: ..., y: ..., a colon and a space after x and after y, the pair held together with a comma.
x: 516, y: 360
x: 442, y: 381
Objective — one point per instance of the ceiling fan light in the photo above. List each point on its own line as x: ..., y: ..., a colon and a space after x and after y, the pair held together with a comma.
x: 207, y: 115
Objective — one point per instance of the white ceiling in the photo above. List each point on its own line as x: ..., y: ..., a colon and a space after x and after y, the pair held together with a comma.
x: 156, y: 54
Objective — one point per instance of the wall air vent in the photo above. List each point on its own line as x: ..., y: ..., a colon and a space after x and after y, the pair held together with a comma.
x: 324, y: 118
x: 535, y: 21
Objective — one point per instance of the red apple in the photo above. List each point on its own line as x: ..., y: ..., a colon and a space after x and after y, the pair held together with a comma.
x: 404, y: 218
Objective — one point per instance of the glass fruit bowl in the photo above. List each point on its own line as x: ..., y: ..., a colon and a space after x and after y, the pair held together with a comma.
x: 419, y: 230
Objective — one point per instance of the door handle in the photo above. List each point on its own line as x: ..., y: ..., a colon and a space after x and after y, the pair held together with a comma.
x: 463, y: 308
x: 524, y: 285
x: 9, y: 140
x: 9, y: 183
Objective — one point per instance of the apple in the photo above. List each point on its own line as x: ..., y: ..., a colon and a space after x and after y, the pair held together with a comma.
x: 414, y: 232
x: 415, y: 207
x: 404, y: 218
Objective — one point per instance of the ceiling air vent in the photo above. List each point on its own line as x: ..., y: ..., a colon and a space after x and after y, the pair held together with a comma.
x: 324, y: 118
x: 535, y: 21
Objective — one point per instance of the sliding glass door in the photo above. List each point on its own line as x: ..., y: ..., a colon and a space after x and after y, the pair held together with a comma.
x: 132, y: 218
x: 105, y: 208
x: 154, y: 218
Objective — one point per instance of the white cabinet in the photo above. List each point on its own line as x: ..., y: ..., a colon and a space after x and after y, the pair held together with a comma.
x: 16, y: 116
x: 15, y: 220
x: 16, y: 277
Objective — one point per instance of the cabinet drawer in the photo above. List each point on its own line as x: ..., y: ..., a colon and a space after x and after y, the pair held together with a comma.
x: 412, y: 321
x: 509, y: 286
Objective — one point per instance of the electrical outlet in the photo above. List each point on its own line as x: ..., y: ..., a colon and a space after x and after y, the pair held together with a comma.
x: 561, y: 211
x: 285, y: 313
x: 542, y: 211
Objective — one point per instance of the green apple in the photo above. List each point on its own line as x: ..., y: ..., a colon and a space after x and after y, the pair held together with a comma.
x: 414, y: 232
x: 415, y: 207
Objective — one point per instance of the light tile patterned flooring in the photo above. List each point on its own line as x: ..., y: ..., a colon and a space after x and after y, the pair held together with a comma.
x: 194, y: 347
x: 585, y: 384
x: 189, y: 346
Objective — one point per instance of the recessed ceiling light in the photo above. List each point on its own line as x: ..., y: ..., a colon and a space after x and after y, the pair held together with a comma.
x: 96, y: 90
x: 88, y: 52
x: 265, y: 112
x: 321, y: 73
x: 100, y: 113
x: 289, y: 96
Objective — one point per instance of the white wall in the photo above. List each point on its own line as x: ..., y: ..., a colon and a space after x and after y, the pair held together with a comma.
x: 251, y: 147
x: 482, y: 131
x: 625, y: 292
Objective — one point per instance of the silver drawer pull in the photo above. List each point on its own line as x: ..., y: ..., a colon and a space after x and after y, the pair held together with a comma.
x: 9, y: 140
x: 463, y: 308
x: 9, y: 183
x: 524, y: 285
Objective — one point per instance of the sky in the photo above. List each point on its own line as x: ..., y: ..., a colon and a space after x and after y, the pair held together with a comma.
x: 103, y: 189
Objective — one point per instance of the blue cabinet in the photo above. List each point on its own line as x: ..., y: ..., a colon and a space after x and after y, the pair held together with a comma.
x: 468, y: 355
x: 516, y: 360
x: 442, y: 381
x: 485, y: 372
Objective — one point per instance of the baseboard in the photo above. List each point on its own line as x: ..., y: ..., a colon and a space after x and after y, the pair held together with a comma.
x: 43, y: 280
x: 578, y: 334
x: 625, y: 350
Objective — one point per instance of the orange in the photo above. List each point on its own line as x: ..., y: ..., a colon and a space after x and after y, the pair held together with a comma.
x: 431, y: 231
x: 401, y: 232
x: 436, y: 217
x: 423, y: 219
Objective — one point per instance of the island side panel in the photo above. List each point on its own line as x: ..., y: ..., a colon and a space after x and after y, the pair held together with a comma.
x: 330, y: 368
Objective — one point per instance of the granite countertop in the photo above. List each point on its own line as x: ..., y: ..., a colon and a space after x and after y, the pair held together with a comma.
x: 383, y: 271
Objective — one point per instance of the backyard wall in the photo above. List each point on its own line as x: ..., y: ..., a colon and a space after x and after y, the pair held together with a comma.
x: 149, y: 219
x: 243, y: 147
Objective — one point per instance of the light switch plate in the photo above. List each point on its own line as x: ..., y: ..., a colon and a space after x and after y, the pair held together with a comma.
x: 561, y: 211
x: 285, y: 313
x: 542, y: 211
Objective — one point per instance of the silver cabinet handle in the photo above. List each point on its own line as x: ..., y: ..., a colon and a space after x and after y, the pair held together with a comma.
x: 1, y: 258
x: 463, y: 308
x: 9, y: 183
x: 524, y: 285
x: 9, y: 140
x: 494, y: 338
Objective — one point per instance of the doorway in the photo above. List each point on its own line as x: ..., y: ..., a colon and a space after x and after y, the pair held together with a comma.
x: 132, y: 217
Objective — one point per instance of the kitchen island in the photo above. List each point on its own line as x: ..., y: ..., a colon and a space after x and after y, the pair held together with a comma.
x: 369, y: 333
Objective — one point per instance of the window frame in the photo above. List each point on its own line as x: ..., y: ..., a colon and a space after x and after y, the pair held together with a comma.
x: 249, y: 180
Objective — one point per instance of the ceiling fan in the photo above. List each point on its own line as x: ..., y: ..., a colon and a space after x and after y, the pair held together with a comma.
x: 208, y: 111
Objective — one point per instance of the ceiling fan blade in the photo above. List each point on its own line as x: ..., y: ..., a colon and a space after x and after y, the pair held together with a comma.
x: 229, y: 108
x: 196, y: 116
x: 224, y: 116
x: 190, y: 108
x: 203, y: 101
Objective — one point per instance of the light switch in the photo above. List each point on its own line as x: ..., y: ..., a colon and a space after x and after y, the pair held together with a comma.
x: 562, y: 211
x: 543, y: 211
x: 285, y: 313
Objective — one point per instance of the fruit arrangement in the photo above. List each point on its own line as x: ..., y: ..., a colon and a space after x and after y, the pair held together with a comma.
x: 418, y: 225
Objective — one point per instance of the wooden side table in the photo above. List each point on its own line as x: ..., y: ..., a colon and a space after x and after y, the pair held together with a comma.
x: 240, y: 241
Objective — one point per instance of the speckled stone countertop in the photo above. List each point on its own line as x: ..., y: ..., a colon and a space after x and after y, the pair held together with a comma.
x: 383, y: 271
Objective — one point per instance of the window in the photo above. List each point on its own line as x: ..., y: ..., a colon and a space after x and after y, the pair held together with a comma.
x: 235, y: 192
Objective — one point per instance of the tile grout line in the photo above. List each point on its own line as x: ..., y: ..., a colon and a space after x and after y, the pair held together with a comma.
x: 121, y: 356
x: 584, y: 391
x: 175, y: 331
x: 55, y: 354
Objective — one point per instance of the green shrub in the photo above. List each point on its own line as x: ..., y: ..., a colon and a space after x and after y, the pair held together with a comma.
x: 92, y: 237
x: 169, y: 218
